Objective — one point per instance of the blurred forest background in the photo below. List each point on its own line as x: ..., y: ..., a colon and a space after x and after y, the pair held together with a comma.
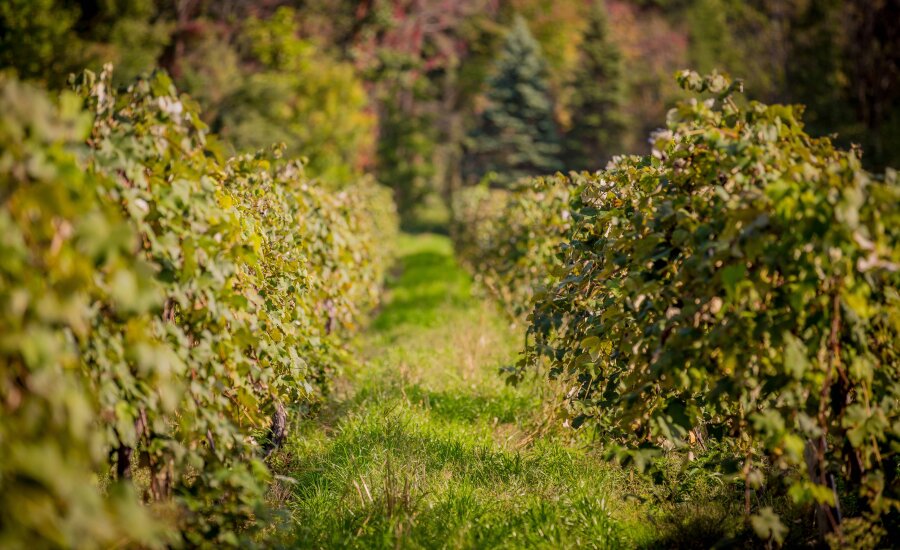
x: 430, y: 95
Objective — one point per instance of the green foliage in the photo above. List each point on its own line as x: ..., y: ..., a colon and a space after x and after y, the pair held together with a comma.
x: 508, y: 238
x: 598, y: 97
x: 740, y: 284
x: 65, y: 256
x: 516, y: 134
x: 151, y: 142
x: 302, y: 97
x: 182, y: 299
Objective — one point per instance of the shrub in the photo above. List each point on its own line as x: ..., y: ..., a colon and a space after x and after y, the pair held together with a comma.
x: 66, y: 259
x: 740, y: 284
x: 508, y: 238
x: 162, y: 306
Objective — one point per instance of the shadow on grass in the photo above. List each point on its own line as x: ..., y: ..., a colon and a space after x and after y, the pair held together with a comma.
x: 472, y: 490
x: 364, y: 443
x: 417, y: 227
x: 465, y: 407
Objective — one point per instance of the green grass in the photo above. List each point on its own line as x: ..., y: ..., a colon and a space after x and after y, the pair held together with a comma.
x: 424, y: 446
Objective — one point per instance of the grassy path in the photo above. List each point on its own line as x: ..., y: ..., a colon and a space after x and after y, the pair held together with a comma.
x: 424, y: 446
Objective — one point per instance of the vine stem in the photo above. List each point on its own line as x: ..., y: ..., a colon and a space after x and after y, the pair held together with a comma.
x: 818, y: 470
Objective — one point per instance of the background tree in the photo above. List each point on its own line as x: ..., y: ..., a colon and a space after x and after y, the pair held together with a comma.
x: 838, y: 57
x: 37, y: 40
x: 597, y: 99
x: 301, y: 96
x: 46, y: 40
x: 872, y: 60
x: 816, y: 74
x: 516, y: 134
x: 406, y: 146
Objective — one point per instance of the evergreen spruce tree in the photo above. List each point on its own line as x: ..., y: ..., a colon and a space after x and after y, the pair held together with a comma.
x: 516, y: 135
x: 598, y: 96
